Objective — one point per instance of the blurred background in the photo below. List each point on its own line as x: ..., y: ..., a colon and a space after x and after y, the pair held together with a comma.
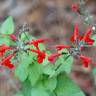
x: 52, y: 19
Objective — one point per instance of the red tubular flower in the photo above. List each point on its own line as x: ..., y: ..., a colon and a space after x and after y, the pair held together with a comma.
x: 40, y: 55
x: 75, y: 35
x: 60, y: 47
x: 6, y: 61
x: 75, y: 7
x: 85, y: 60
x: 87, y: 38
x: 36, y: 42
x: 13, y: 37
x: 3, y: 48
x: 52, y: 57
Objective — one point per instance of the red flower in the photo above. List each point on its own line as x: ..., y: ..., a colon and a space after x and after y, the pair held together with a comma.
x: 13, y: 37
x: 36, y: 42
x: 60, y: 47
x: 40, y: 55
x: 87, y: 38
x: 85, y: 60
x: 6, y: 61
x: 53, y: 56
x: 75, y: 7
x: 75, y: 35
x: 3, y: 48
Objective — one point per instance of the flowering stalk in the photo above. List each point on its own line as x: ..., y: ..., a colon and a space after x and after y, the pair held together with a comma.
x: 79, y: 42
x: 3, y: 49
x: 52, y: 57
x: 36, y: 42
x: 6, y: 61
x: 40, y: 55
x: 60, y: 47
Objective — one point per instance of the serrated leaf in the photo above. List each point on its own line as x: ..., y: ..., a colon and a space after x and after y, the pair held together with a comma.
x: 66, y: 87
x: 26, y: 59
x: 38, y: 92
x: 49, y: 70
x: 50, y: 83
x: 26, y: 88
x: 35, y: 72
x: 22, y: 69
x: 65, y: 64
x: 8, y: 26
x: 21, y: 73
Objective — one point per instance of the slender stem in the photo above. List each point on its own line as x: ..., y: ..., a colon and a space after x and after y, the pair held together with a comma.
x: 58, y: 67
x: 26, y: 36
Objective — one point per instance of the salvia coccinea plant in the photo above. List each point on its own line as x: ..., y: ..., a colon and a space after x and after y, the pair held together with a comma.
x: 41, y: 72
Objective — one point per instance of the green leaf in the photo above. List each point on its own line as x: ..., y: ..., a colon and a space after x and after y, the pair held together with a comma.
x: 45, y: 61
x: 65, y: 64
x: 21, y: 73
x: 26, y: 88
x: 66, y: 87
x: 26, y: 59
x: 50, y: 83
x: 5, y: 40
x: 8, y: 26
x: 35, y: 72
x: 25, y: 36
x: 49, y: 70
x: 38, y: 92
x: 22, y: 69
x: 19, y: 94
x: 41, y: 46
x: 94, y: 38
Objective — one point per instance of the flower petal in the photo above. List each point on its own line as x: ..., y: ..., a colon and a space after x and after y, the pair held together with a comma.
x: 75, y: 35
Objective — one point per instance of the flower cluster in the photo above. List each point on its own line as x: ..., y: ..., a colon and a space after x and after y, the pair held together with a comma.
x: 41, y: 55
x: 78, y: 43
x: 6, y: 60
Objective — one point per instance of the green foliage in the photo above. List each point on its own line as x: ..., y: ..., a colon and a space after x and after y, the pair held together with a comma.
x: 5, y: 40
x: 35, y: 71
x: 8, y: 26
x: 49, y: 69
x: 22, y: 69
x: 50, y: 83
x: 39, y: 92
x: 46, y: 79
x: 66, y: 87
x: 25, y: 36
x: 26, y: 88
x: 66, y: 63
